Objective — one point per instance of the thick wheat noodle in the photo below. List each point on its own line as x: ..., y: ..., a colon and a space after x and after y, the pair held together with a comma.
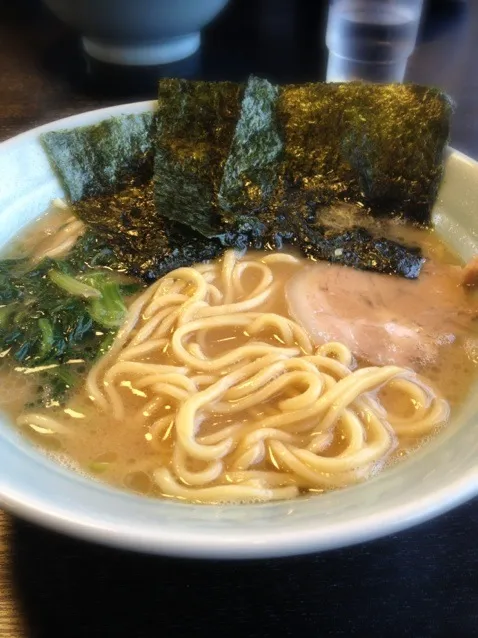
x: 171, y: 299
x: 148, y: 410
x: 92, y: 380
x: 426, y: 413
x: 249, y: 457
x: 290, y: 332
x: 239, y: 307
x: 189, y: 311
x: 270, y: 367
x: 172, y: 391
x: 149, y: 328
x: 332, y: 401
x: 157, y: 430
x: 354, y: 456
x: 179, y: 379
x: 277, y: 405
x: 437, y: 415
x: 252, y: 446
x: 280, y: 258
x: 221, y: 493
x: 177, y: 388
x: 320, y: 442
x: 188, y: 276
x: 271, y: 479
x: 132, y: 352
x: 200, y: 477
x: 229, y: 262
x: 214, y: 294
x: 337, y: 350
x: 221, y: 362
x: 167, y: 324
x: 287, y: 459
x: 225, y: 433
x: 264, y: 284
x: 197, y: 351
x: 307, y: 398
x: 132, y: 368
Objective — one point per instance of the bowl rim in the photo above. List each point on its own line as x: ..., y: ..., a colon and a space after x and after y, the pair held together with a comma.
x: 185, y: 541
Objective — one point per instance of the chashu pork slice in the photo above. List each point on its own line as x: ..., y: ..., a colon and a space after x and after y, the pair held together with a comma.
x: 383, y: 319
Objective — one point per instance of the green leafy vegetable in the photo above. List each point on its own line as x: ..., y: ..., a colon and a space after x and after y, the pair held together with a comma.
x: 107, y: 308
x: 60, y: 319
x: 72, y: 286
x: 92, y: 250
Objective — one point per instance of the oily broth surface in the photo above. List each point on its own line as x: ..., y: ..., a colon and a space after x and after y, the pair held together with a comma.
x: 121, y: 453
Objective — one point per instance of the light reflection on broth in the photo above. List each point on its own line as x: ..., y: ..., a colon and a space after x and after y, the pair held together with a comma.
x: 124, y: 452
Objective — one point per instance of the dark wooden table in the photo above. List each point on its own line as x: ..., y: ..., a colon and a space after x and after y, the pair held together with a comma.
x: 422, y: 583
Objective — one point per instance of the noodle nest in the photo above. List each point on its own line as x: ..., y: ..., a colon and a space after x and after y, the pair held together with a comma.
x: 265, y: 419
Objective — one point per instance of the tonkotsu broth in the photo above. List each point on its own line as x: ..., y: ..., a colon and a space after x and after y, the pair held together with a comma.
x: 120, y: 452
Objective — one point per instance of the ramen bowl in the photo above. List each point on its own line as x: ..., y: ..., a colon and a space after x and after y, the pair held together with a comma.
x: 434, y: 479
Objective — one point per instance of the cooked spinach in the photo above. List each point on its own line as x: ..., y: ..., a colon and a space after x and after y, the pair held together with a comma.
x: 59, y: 319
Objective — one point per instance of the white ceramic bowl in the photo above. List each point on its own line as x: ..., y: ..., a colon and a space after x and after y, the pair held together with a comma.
x: 138, y: 32
x: 441, y: 475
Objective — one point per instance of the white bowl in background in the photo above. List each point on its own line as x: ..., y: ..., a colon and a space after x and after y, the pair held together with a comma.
x: 441, y: 475
x: 138, y: 32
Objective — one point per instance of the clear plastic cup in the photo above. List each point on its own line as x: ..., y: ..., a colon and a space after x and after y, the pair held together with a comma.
x: 371, y: 40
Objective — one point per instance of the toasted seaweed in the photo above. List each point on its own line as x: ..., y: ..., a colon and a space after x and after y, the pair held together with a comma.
x: 378, y: 148
x: 250, y: 172
x: 354, y: 245
x: 258, y: 170
x: 102, y: 158
x: 144, y: 244
x: 196, y: 122
x: 359, y: 248
x: 106, y: 170
x: 378, y: 145
x: 397, y: 152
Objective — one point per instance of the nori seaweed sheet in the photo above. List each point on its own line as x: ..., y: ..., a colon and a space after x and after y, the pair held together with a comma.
x: 378, y: 145
x: 145, y: 244
x: 102, y: 158
x: 358, y: 248
x: 250, y: 172
x: 196, y: 123
x: 259, y: 173
x: 106, y: 170
x: 349, y: 245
